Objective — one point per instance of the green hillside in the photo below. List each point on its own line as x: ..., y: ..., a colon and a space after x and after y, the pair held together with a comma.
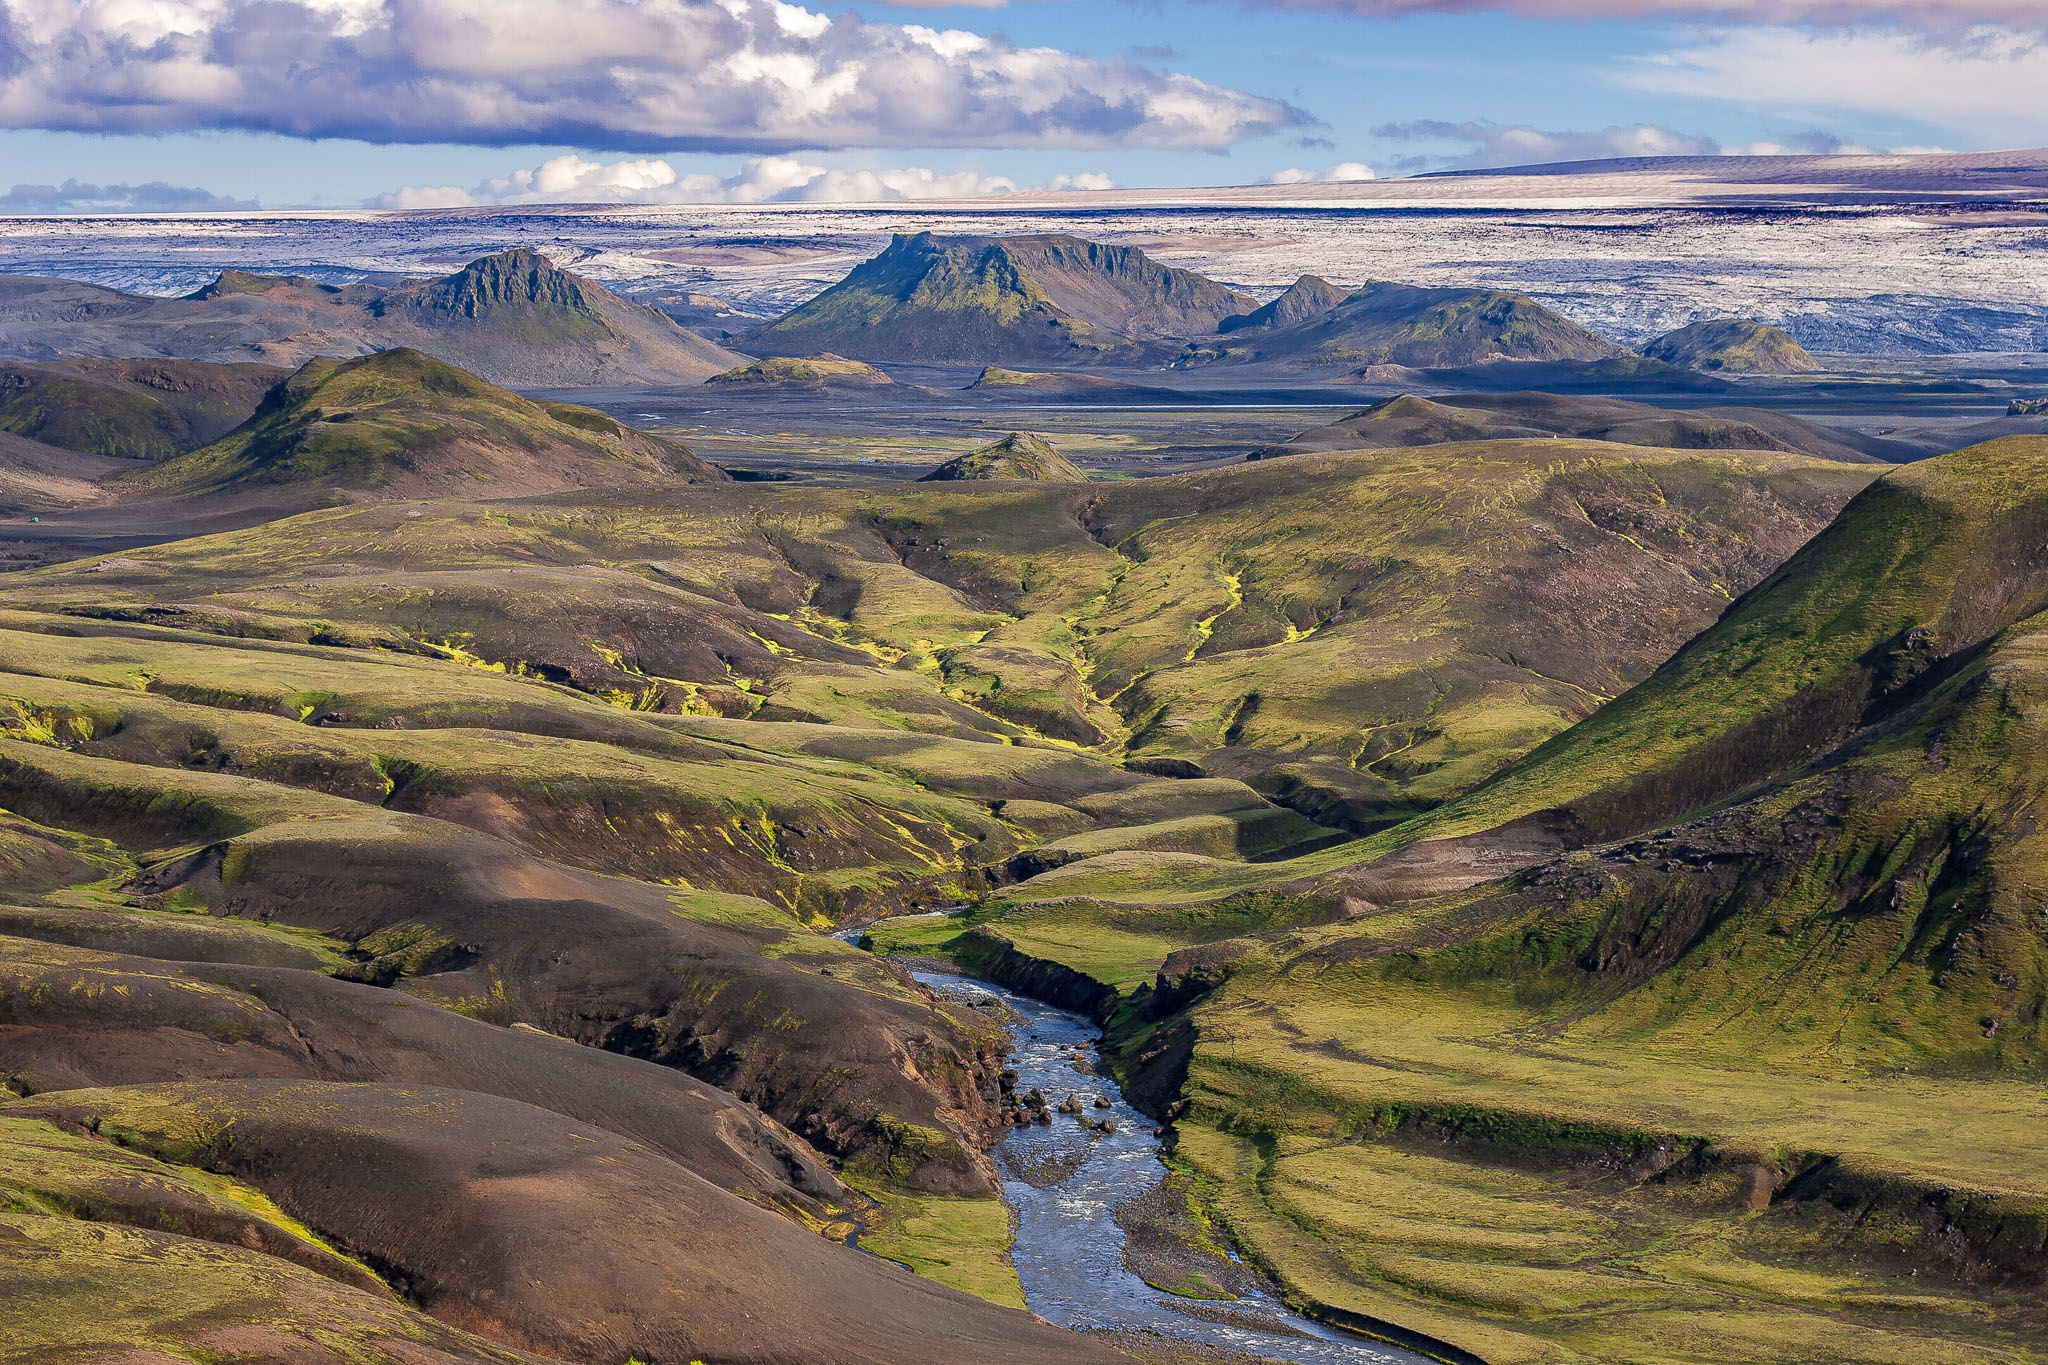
x: 1020, y: 455
x: 403, y: 424
x: 129, y: 409
x: 1733, y: 346
x: 1415, y: 327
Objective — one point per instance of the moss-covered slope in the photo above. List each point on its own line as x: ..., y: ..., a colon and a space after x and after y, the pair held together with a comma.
x: 1733, y: 346
x: 1018, y: 456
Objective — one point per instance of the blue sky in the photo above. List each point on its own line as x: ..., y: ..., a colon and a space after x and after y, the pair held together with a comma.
x: 1273, y: 89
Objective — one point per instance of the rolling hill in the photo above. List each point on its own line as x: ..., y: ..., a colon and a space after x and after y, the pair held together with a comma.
x: 1733, y: 346
x: 401, y: 424
x: 1018, y: 456
x: 1414, y: 327
x: 1409, y: 420
x: 130, y: 409
x: 1003, y: 301
x: 513, y: 318
x: 783, y: 373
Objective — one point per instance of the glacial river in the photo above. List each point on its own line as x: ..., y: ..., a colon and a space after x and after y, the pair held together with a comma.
x: 1069, y: 1249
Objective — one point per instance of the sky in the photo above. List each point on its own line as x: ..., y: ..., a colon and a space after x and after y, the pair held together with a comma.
x: 171, y: 105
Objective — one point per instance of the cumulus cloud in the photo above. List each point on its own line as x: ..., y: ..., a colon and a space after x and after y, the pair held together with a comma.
x: 637, y: 75
x: 765, y: 179
x: 1979, y: 79
x: 75, y: 196
x: 1343, y: 170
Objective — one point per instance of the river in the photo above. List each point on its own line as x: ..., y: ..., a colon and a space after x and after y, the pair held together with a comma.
x: 1069, y: 1251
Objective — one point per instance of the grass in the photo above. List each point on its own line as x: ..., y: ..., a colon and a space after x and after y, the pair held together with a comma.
x: 960, y: 1242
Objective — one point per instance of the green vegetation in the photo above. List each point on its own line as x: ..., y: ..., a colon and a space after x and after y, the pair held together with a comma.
x: 1733, y: 346
x: 1019, y: 455
x: 823, y: 369
x: 962, y: 1243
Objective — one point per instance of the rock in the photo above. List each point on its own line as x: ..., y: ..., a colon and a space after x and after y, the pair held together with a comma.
x: 1102, y: 1102
x: 1109, y: 1125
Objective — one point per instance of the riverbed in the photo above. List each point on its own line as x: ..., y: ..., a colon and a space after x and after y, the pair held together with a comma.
x: 1069, y: 1251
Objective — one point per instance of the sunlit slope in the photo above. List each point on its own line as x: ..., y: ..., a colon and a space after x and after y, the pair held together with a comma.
x: 1761, y: 1085
x: 402, y: 424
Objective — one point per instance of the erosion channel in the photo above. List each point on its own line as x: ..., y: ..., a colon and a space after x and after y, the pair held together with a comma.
x: 1065, y: 1182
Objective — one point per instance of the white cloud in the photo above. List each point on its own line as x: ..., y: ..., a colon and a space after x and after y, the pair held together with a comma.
x: 1983, y: 79
x: 653, y: 75
x: 764, y: 179
x: 1343, y: 170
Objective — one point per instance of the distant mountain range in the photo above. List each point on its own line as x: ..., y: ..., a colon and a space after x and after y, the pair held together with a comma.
x: 512, y: 318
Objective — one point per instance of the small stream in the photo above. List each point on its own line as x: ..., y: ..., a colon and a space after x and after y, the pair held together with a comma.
x: 1069, y: 1249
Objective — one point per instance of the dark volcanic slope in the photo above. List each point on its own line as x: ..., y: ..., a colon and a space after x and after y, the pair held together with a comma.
x: 1311, y: 296
x: 517, y: 1223
x: 1043, y: 299
x: 401, y: 423
x: 130, y: 409
x: 1408, y: 420
x: 1398, y: 324
x: 513, y: 318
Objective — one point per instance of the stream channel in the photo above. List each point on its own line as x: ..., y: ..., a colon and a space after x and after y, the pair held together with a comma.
x: 1069, y: 1251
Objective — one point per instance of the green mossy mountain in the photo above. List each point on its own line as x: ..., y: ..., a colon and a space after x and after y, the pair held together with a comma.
x: 1413, y: 327
x: 1020, y: 455
x: 1003, y: 300
x: 401, y: 423
x: 1733, y: 346
x: 129, y: 409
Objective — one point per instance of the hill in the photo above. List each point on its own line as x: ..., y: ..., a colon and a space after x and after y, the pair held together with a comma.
x: 1420, y: 328
x: 809, y: 372
x: 997, y: 382
x: 403, y: 424
x: 130, y: 409
x: 512, y: 318
x: 1733, y: 346
x: 1018, y: 456
x: 1408, y: 420
x: 1002, y: 300
x: 1311, y: 296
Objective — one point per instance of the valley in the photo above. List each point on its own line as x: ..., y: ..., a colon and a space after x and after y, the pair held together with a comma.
x: 505, y: 800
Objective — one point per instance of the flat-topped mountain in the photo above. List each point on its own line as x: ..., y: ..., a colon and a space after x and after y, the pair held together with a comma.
x: 1020, y: 455
x: 404, y: 424
x: 1733, y: 346
x: 511, y: 318
x: 1003, y: 300
x: 1415, y: 327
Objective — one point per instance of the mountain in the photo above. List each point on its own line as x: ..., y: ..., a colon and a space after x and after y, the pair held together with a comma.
x: 1420, y: 328
x: 1408, y: 420
x: 401, y: 423
x: 37, y: 478
x: 1018, y: 456
x: 1733, y: 346
x: 1311, y: 296
x: 130, y: 409
x: 1003, y: 300
x: 808, y: 372
x: 512, y: 318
